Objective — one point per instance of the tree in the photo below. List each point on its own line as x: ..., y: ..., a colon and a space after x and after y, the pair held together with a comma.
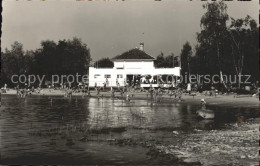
x: 171, y: 61
x: 214, y: 30
x: 63, y: 58
x: 47, y: 61
x: 29, y: 62
x: 76, y: 57
x: 176, y: 61
x: 104, y: 63
x: 160, y: 61
x: 186, y: 53
x: 66, y: 57
x: 226, y: 47
x: 243, y: 34
x: 166, y: 62
x: 13, y: 62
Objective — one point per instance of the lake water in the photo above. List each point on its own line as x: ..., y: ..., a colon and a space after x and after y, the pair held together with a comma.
x: 56, y: 130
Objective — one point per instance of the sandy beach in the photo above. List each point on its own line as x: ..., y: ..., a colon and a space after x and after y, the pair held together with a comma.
x: 233, y: 100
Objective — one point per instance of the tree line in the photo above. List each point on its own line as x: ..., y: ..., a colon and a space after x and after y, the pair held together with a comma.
x: 66, y: 57
x: 225, y: 46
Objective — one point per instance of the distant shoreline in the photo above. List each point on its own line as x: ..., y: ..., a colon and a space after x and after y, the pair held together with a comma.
x: 220, y: 100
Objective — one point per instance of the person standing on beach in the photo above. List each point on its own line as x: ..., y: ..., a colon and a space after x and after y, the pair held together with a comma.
x: 0, y: 98
x: 156, y: 93
x: 117, y: 81
x: 151, y: 87
x: 69, y: 93
x: 189, y: 88
x: 95, y: 86
x: 98, y: 91
x: 179, y: 94
x: 17, y: 89
x: 24, y: 93
x: 104, y: 85
x: 66, y: 93
x: 212, y: 90
x: 49, y: 86
x: 112, y: 92
x: 107, y: 83
x: 122, y: 91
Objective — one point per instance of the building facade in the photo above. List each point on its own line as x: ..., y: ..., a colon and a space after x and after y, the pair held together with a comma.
x: 133, y: 67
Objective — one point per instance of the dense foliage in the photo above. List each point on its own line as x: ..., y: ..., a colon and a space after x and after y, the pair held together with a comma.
x: 104, y: 63
x: 62, y: 58
x: 166, y: 61
x: 225, y: 46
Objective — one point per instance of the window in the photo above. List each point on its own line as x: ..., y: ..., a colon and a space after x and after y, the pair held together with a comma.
x: 96, y: 75
x: 120, y: 76
x: 107, y: 76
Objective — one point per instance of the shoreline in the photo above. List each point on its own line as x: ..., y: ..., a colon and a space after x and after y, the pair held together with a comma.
x: 154, y: 142
x: 220, y: 100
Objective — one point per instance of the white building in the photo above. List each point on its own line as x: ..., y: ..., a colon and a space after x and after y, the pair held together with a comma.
x: 132, y: 67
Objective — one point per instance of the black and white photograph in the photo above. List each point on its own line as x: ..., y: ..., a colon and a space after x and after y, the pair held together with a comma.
x: 130, y: 82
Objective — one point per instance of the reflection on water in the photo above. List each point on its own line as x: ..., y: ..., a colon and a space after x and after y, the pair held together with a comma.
x: 72, y: 117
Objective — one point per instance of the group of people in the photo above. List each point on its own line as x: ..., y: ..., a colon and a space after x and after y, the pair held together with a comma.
x: 68, y: 93
x: 22, y: 93
x: 177, y: 93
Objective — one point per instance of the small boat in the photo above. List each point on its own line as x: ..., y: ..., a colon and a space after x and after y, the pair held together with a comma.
x: 205, y: 114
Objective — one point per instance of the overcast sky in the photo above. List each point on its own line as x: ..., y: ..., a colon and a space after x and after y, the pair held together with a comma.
x: 110, y: 28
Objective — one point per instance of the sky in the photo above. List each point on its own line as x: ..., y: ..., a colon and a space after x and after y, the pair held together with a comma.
x: 110, y: 28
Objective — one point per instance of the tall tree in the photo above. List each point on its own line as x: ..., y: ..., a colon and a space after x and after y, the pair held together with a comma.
x: 47, y: 59
x: 243, y: 34
x: 167, y: 62
x: 186, y: 54
x: 160, y: 60
x: 171, y: 61
x: 76, y: 57
x: 214, y: 30
x: 63, y: 58
x: 12, y: 63
x: 66, y: 57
